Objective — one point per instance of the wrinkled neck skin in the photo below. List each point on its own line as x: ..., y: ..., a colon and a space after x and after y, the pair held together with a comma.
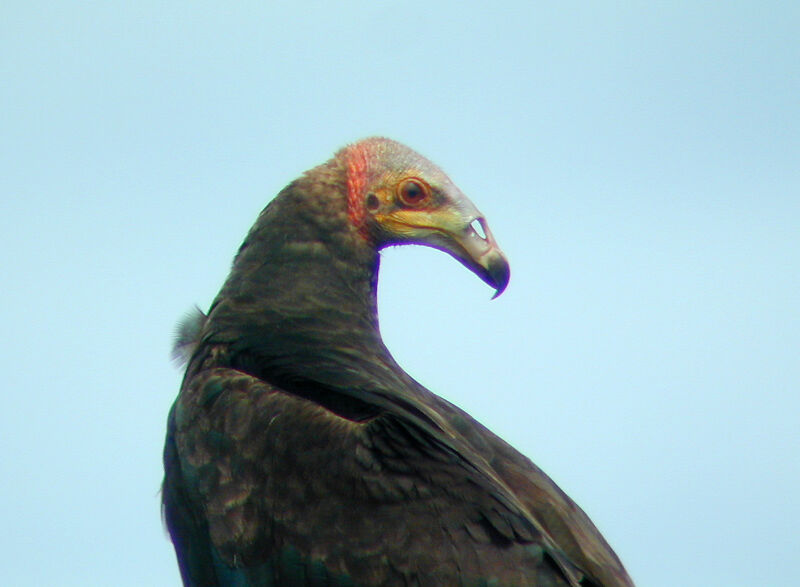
x: 317, y: 331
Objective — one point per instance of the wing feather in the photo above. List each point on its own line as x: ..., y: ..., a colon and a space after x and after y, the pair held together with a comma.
x: 266, y: 487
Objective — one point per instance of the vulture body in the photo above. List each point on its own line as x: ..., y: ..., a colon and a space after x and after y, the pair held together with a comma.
x: 298, y: 453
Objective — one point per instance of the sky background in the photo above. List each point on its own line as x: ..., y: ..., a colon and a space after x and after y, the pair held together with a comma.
x: 638, y: 162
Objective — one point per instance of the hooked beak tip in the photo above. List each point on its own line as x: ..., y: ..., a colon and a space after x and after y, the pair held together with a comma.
x: 499, y: 274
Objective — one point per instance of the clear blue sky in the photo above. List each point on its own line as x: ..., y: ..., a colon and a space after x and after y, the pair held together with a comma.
x: 638, y: 162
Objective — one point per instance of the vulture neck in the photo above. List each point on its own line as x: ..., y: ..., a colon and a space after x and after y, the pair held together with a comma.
x: 299, y: 309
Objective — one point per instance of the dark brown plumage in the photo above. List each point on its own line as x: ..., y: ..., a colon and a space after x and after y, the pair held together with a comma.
x: 299, y: 453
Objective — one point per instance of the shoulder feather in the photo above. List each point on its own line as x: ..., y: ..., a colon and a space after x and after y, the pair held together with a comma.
x: 187, y: 335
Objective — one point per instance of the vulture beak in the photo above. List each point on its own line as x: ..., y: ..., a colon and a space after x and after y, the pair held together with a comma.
x: 474, y: 246
x: 460, y: 231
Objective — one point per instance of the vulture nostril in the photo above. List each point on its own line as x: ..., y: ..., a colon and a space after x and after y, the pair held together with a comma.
x: 477, y: 226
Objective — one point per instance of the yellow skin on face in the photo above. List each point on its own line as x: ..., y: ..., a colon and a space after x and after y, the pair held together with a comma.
x: 439, y: 219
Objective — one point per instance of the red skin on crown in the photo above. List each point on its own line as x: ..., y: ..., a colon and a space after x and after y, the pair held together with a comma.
x: 356, y: 158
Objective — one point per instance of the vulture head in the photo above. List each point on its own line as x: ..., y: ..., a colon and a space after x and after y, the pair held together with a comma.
x: 396, y: 196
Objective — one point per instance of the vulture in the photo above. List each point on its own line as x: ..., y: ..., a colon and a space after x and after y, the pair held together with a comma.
x: 299, y: 453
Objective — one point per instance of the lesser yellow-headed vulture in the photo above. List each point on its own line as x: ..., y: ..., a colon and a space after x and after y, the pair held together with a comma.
x: 299, y: 453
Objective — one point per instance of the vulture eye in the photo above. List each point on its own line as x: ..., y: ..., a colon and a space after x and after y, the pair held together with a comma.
x: 413, y: 192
